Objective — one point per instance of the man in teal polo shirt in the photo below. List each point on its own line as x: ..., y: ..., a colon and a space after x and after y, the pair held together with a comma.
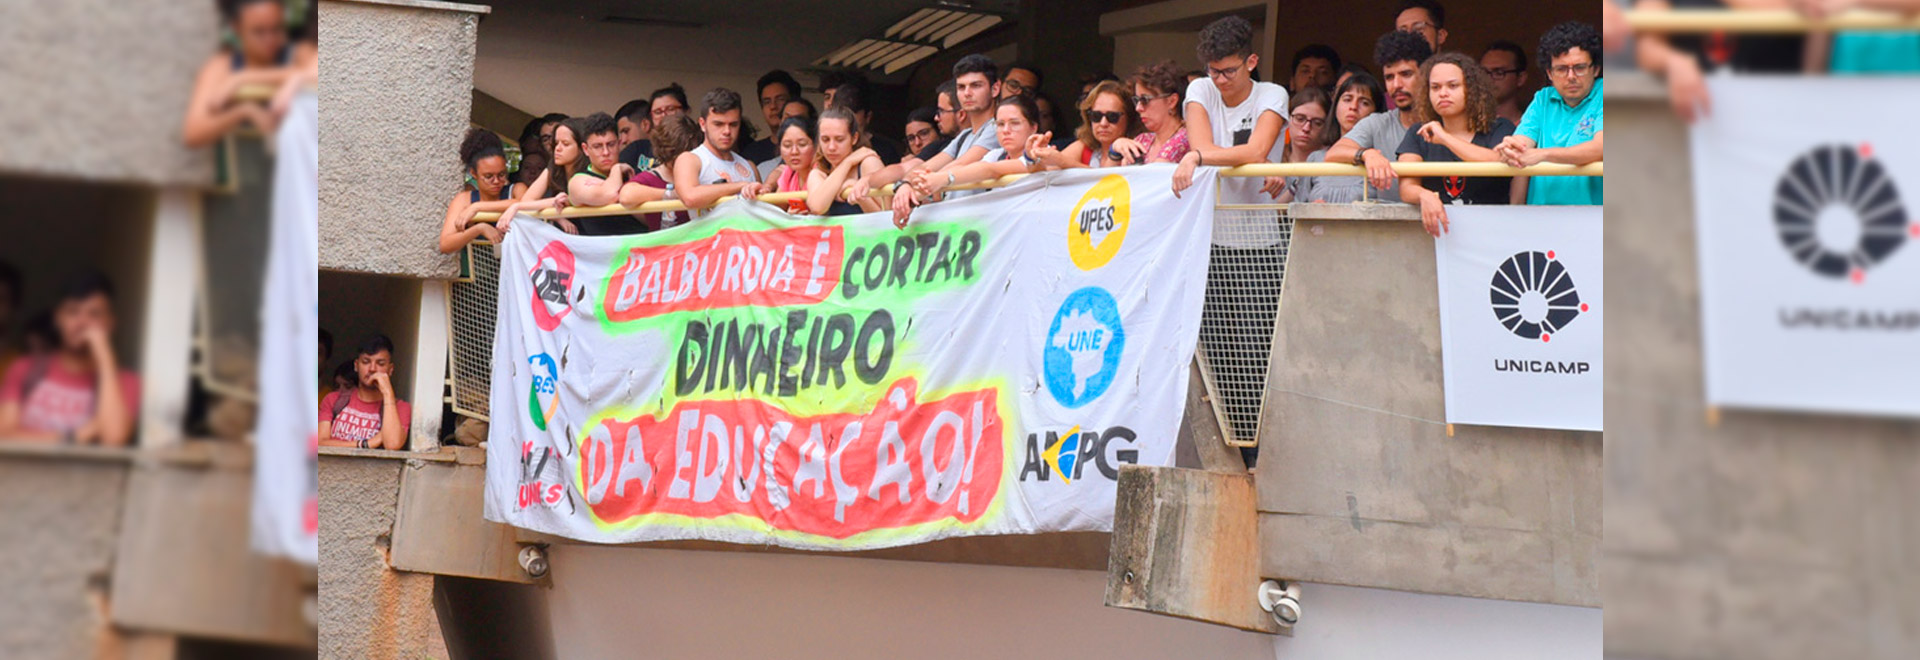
x: 1566, y: 120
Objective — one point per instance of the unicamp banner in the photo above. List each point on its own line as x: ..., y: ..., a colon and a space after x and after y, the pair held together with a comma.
x: 840, y: 383
x: 1520, y: 316
x: 1809, y: 268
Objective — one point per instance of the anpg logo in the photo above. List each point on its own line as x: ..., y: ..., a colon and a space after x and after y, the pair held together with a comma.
x: 552, y: 275
x: 1098, y: 224
x: 543, y: 397
x: 1533, y: 295
x: 1083, y: 347
x: 1838, y: 212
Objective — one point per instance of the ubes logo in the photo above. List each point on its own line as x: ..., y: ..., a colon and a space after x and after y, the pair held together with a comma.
x: 1098, y: 224
x: 1838, y: 212
x: 1083, y: 347
x: 1533, y: 295
x: 552, y: 276
x: 543, y: 396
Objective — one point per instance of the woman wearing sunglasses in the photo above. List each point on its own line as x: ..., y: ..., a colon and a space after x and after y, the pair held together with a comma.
x: 1108, y: 117
x: 1158, y: 93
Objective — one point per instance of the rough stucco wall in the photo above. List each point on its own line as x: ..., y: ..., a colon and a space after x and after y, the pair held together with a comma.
x: 1768, y: 536
x: 97, y: 88
x: 399, y: 85
x: 1360, y: 483
x: 59, y: 521
x: 368, y: 611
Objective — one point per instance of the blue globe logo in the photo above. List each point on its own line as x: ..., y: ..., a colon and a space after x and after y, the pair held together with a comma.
x: 1083, y: 347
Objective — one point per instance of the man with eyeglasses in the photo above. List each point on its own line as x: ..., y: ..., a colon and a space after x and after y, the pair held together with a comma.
x: 1566, y: 120
x: 1231, y: 119
x: 1373, y: 141
x: 1022, y: 79
x: 602, y: 146
x: 1425, y: 18
x: 669, y: 100
x: 1508, y: 65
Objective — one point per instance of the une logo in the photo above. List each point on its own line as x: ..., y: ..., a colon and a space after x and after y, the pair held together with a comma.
x: 1838, y: 213
x: 1083, y: 347
x: 1533, y: 295
x: 1097, y: 226
x: 552, y: 275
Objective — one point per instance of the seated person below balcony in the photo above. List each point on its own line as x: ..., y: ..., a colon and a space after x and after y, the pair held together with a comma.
x: 260, y: 55
x: 1566, y: 120
x: 367, y: 415
x: 1455, y: 123
x: 74, y: 392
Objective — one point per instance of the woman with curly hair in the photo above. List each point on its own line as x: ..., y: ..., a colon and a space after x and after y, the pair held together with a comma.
x: 1454, y: 121
x: 484, y: 160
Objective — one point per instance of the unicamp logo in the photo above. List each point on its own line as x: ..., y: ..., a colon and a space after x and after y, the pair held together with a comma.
x: 552, y: 276
x: 543, y: 396
x: 1083, y: 347
x: 1098, y: 224
x: 1838, y: 212
x: 1533, y: 295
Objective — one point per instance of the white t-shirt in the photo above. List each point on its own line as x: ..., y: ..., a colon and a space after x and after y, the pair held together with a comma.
x: 1233, y: 126
x: 735, y: 169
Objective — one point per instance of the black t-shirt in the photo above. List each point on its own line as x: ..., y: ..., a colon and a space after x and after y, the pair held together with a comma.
x: 1464, y: 189
x: 1748, y: 53
x: 608, y: 225
x: 636, y: 150
x: 887, y: 148
x: 759, y: 151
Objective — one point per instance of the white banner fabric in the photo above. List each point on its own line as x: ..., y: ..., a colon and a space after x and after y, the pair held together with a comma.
x: 286, y: 436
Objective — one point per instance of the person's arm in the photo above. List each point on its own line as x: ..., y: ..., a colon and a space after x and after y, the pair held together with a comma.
x: 979, y: 172
x: 1433, y: 214
x: 1686, y: 86
x: 1202, y: 150
x: 829, y: 186
x: 1590, y: 151
x: 209, y: 115
x: 458, y: 230
x: 393, y: 428
x: 1465, y: 150
x: 598, y: 193
x: 10, y: 411
x: 1517, y: 194
x: 872, y: 172
x: 112, y: 423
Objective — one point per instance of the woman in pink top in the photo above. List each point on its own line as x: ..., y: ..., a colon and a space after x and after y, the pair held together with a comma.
x: 795, y: 138
x: 1159, y: 93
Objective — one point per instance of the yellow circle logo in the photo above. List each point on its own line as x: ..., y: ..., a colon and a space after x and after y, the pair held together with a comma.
x: 1098, y: 224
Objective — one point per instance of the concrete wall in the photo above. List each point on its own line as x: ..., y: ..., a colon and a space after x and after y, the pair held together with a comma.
x: 1768, y: 535
x: 1351, y: 623
x: 398, y: 81
x: 1360, y: 483
x: 59, y: 523
x: 97, y: 89
x: 368, y: 611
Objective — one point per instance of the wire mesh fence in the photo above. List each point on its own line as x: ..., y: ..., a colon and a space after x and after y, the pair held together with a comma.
x: 473, y: 306
x: 1244, y: 275
x: 235, y: 230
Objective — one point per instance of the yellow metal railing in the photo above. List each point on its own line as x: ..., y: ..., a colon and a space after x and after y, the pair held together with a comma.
x: 1255, y: 170
x: 1774, y: 21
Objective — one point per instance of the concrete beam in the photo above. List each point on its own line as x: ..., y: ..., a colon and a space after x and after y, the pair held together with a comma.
x: 1202, y: 444
x: 1360, y: 482
x: 1185, y: 544
x: 57, y: 536
x: 439, y: 528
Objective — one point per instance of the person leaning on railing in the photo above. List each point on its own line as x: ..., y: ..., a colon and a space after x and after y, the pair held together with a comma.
x: 1455, y: 123
x: 1566, y: 121
x: 838, y: 184
x: 260, y: 55
x: 1359, y: 95
x: 1108, y: 117
x: 367, y: 415
x: 1159, y: 94
x: 485, y: 160
x: 1015, y: 120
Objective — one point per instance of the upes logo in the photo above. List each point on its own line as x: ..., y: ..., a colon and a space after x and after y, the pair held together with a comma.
x: 552, y: 276
x: 543, y: 396
x: 1838, y: 213
x: 1533, y: 295
x: 1067, y: 455
x: 1098, y: 224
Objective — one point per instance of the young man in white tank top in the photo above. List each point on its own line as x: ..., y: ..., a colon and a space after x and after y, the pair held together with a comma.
x: 712, y: 171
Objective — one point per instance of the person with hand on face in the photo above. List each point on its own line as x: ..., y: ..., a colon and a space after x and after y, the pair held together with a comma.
x: 839, y: 182
x: 367, y: 415
x: 76, y: 393
x: 1231, y: 119
x: 1357, y: 98
x: 1567, y: 121
x: 1457, y: 124
x: 1109, y: 118
x: 1373, y: 141
x: 712, y: 171
x: 1159, y: 93
x: 1508, y: 65
x: 1016, y: 120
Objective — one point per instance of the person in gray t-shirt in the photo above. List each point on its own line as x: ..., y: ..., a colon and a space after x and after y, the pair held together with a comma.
x: 1374, y: 141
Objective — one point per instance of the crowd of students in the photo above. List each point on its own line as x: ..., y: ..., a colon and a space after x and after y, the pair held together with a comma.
x: 1428, y: 104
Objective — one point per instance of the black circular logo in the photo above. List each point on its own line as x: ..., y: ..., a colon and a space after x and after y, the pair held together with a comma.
x: 1533, y: 295
x: 1838, y: 213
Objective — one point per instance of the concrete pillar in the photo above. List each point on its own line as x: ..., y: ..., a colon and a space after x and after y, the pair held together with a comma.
x: 167, y: 331
x: 429, y: 363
